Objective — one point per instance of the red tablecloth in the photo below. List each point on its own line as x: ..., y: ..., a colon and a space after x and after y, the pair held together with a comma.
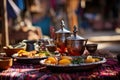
x: 108, y: 71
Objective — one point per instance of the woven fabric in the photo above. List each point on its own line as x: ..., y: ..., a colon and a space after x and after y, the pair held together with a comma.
x: 108, y: 71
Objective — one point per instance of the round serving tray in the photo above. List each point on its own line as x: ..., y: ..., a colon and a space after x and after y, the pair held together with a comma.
x: 74, y: 67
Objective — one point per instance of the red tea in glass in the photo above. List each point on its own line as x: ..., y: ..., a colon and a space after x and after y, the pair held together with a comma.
x: 75, y: 48
x: 61, y: 47
x: 51, y: 47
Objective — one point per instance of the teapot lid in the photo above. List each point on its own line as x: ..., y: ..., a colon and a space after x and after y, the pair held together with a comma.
x: 75, y: 36
x: 62, y: 30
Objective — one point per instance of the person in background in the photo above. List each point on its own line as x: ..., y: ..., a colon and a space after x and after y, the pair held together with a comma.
x: 43, y: 17
x: 22, y: 27
x: 24, y: 30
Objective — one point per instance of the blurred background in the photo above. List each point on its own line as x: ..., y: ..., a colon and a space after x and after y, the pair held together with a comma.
x: 97, y: 20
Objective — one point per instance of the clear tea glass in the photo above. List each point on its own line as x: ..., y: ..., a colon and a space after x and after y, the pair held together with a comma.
x: 91, y: 48
x: 51, y: 47
x: 61, y: 42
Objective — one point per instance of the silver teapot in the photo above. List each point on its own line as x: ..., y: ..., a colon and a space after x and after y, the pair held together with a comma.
x: 61, y: 36
x: 76, y: 44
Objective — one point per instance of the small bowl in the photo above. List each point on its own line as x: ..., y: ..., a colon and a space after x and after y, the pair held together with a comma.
x: 91, y: 47
x: 6, y: 62
x: 10, y: 51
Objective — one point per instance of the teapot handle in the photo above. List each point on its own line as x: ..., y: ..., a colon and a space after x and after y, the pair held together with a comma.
x: 86, y: 41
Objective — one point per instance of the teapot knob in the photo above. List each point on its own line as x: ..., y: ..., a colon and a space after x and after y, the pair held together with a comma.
x: 62, y: 24
x: 75, y: 31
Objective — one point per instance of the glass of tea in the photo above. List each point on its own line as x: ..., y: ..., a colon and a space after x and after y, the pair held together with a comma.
x: 91, y: 48
x: 51, y: 47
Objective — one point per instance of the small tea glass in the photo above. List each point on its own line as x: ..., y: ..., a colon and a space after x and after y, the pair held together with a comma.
x: 91, y: 48
x: 51, y: 47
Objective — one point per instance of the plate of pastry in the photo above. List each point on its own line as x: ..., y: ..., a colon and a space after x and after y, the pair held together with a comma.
x: 32, y: 56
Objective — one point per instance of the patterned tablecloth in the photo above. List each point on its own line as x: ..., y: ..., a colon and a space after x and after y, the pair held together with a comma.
x: 108, y: 71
